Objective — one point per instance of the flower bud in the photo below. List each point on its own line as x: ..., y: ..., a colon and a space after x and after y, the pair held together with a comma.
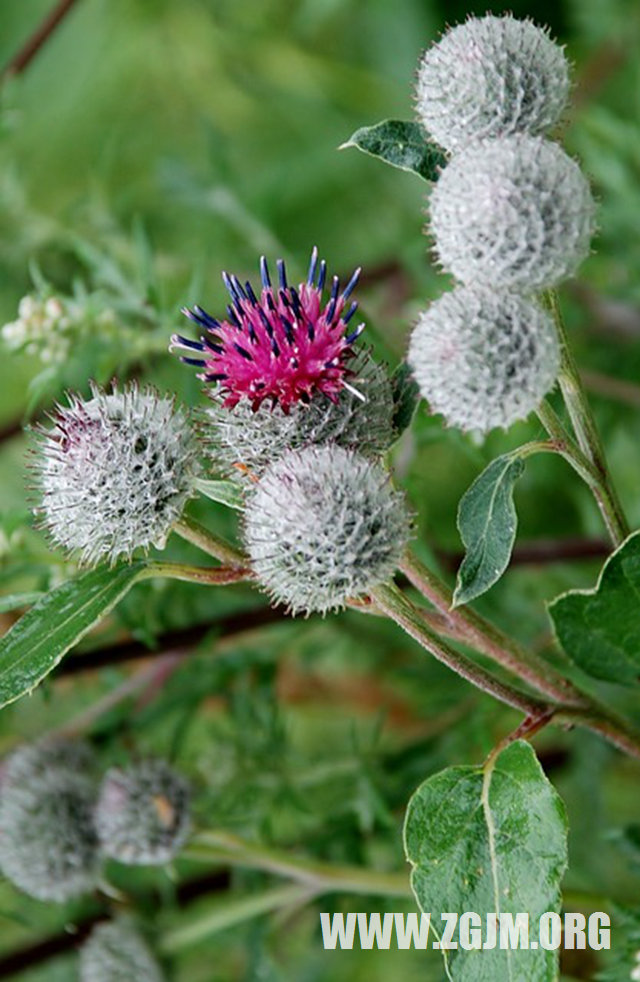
x: 115, y: 952
x: 48, y: 844
x: 142, y: 816
x: 114, y: 472
x: 491, y: 77
x: 360, y: 417
x: 323, y: 525
x: 484, y: 358
x: 515, y: 213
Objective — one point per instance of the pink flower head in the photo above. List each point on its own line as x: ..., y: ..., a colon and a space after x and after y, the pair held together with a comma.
x: 284, y: 345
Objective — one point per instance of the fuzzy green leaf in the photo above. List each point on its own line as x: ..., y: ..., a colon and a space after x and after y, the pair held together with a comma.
x: 487, y: 522
x: 599, y: 629
x: 402, y: 144
x: 489, y: 839
x: 405, y: 397
x: 38, y: 641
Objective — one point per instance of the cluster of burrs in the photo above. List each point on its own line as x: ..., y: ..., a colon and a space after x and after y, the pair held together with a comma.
x: 59, y: 822
x: 306, y: 416
x: 511, y: 215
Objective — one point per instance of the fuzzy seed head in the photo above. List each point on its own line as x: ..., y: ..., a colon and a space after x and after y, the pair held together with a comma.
x: 114, y: 473
x: 48, y: 844
x: 323, y: 525
x: 115, y: 952
x: 283, y: 346
x: 512, y: 213
x: 491, y: 77
x: 142, y: 815
x: 484, y: 358
x: 360, y: 418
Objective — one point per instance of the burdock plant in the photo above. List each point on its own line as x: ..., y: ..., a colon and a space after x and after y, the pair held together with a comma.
x: 48, y: 843
x: 116, y: 952
x: 305, y: 420
x: 142, y: 813
x: 114, y: 472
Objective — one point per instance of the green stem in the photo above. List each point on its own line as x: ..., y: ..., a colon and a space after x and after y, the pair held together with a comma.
x: 564, y: 443
x: 490, y: 640
x: 214, y: 545
x: 570, y: 705
x: 586, y: 432
x: 317, y: 876
x: 598, y: 482
x: 232, y: 912
x: 390, y: 600
x: 216, y: 576
x: 600, y: 720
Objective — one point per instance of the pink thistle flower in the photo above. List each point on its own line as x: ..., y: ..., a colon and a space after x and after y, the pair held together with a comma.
x: 285, y: 345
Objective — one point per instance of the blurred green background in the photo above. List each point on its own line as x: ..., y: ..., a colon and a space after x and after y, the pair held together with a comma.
x: 148, y: 146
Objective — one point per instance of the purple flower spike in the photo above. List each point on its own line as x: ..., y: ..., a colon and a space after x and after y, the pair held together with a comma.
x: 284, y: 345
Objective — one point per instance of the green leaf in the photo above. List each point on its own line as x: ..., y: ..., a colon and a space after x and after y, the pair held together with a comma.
x: 15, y: 601
x: 37, y: 642
x: 405, y: 397
x: 224, y: 492
x: 489, y: 839
x: 599, y: 629
x: 487, y: 522
x: 402, y: 144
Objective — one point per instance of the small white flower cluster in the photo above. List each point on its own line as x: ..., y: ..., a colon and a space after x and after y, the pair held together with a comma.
x: 115, y: 472
x: 511, y: 214
x: 57, y: 824
x: 116, y: 952
x: 48, y: 327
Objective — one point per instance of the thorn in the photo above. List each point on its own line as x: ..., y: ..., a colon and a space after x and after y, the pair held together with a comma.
x: 351, y: 284
x: 178, y: 341
x: 242, y: 351
x: 194, y: 361
x: 355, y: 334
x: 353, y: 391
x: 312, y: 266
x: 253, y: 300
x: 352, y: 309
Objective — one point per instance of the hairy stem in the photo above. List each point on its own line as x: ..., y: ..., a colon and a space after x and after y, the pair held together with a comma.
x: 599, y: 485
x: 400, y: 609
x: 214, y: 545
x: 600, y: 720
x: 581, y: 710
x: 487, y: 638
x: 586, y: 432
x: 216, y: 576
x: 231, y: 912
x: 319, y: 877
